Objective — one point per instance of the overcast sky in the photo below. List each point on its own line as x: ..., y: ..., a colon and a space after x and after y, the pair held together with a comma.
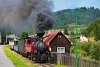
x: 65, y: 4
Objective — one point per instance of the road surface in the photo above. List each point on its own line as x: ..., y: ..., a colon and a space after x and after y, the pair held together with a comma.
x: 4, y: 60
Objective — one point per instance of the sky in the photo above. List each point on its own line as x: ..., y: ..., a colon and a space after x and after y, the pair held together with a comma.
x: 71, y: 4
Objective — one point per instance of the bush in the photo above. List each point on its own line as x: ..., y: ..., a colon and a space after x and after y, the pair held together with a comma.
x: 72, y: 49
x: 95, y: 51
x: 85, y: 46
x: 88, y: 49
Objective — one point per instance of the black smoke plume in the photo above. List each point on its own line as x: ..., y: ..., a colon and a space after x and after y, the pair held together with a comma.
x: 18, y: 15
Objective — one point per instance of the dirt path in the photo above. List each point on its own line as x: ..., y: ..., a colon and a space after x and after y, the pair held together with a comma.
x: 4, y: 60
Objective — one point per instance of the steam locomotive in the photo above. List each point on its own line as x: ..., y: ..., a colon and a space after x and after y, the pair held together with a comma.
x: 33, y: 48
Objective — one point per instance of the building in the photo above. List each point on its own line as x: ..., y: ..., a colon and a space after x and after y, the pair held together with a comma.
x: 57, y: 39
x: 10, y: 37
x: 83, y: 38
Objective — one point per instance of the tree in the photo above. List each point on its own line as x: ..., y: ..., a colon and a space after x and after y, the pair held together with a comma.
x: 24, y: 35
x: 97, y: 27
x: 66, y: 31
x: 93, y: 30
x: 3, y: 36
x: 72, y: 33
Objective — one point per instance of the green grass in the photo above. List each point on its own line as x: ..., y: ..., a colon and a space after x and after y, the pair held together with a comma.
x: 58, y: 65
x: 20, y: 61
x: 17, y: 59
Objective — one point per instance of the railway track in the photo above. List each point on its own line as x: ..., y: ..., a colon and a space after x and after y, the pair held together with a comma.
x: 45, y: 65
x: 42, y: 64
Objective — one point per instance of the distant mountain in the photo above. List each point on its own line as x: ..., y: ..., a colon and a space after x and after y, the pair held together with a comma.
x: 85, y: 16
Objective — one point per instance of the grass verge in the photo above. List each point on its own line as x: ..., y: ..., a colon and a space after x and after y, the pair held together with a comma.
x: 17, y: 59
x: 58, y: 65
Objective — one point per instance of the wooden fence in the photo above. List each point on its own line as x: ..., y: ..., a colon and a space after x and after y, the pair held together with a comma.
x: 69, y: 61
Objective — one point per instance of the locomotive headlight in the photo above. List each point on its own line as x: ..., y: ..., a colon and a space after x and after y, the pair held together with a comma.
x: 49, y: 48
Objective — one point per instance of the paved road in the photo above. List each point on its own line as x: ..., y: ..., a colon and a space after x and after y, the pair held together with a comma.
x: 4, y: 60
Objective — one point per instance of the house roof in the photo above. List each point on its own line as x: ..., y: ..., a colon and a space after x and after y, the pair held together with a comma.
x: 51, y: 36
x: 11, y: 36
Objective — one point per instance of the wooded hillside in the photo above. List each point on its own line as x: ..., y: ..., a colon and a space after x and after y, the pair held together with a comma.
x: 86, y: 16
x: 93, y: 30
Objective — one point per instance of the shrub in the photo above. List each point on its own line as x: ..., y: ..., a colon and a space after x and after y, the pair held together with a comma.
x: 85, y: 46
x: 95, y: 51
x: 89, y: 49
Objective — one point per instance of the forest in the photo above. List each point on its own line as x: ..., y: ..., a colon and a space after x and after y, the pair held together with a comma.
x: 68, y: 16
x: 93, y: 30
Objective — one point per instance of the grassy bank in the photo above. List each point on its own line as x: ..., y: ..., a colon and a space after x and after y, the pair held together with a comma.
x: 17, y: 59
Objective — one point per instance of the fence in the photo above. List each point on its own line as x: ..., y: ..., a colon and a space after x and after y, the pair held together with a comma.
x: 69, y: 61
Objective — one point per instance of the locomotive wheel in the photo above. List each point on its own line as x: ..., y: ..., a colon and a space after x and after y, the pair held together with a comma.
x: 32, y: 57
x: 29, y: 56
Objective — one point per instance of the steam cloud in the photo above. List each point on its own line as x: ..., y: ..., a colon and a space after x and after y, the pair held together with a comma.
x: 19, y: 14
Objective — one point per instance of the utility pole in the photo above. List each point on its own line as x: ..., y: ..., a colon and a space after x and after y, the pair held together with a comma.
x: 76, y: 46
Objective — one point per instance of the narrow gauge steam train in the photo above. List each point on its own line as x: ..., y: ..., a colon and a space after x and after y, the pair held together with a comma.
x: 33, y: 48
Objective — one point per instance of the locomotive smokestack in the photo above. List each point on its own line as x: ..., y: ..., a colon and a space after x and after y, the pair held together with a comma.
x: 40, y: 34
